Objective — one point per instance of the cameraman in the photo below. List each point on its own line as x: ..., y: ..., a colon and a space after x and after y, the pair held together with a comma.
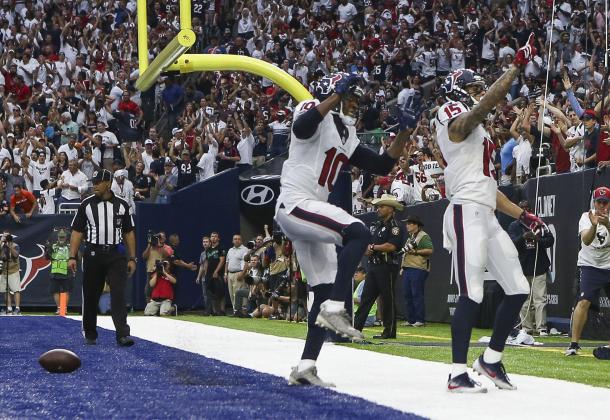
x: 255, y: 293
x: 156, y: 250
x: 10, y: 273
x: 276, y: 260
x: 415, y: 270
x: 532, y: 248
x: 162, y: 296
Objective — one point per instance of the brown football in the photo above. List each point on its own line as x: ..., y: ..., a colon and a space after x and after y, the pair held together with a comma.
x: 59, y: 361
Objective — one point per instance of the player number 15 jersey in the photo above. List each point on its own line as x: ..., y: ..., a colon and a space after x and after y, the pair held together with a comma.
x: 470, y: 174
x: 313, y: 165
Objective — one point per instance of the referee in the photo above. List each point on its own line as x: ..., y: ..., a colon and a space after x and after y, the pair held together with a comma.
x: 103, y: 219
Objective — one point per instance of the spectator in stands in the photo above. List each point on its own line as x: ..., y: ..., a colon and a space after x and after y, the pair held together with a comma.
x: 109, y: 143
x: 166, y: 183
x: 228, y: 155
x: 72, y: 183
x: 187, y: 171
x: 68, y: 127
x: 142, y: 183
x: 69, y: 147
x: 22, y: 201
x: 245, y: 149
x: 123, y: 188
x: 46, y: 200
x: 162, y: 295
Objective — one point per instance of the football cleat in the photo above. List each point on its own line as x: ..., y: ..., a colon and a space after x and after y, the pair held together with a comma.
x: 307, y: 377
x: 494, y: 371
x: 573, y: 350
x: 339, y: 322
x: 463, y: 384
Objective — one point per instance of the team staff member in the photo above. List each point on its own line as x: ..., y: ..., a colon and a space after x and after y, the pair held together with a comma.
x: 416, y: 267
x: 384, y: 263
x: 10, y: 252
x: 103, y: 219
x: 532, y: 248
x: 593, y: 261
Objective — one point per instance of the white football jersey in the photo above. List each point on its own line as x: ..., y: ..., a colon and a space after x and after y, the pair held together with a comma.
x: 470, y: 174
x: 313, y: 164
x: 402, y: 188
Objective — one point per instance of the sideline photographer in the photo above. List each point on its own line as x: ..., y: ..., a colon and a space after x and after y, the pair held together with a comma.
x: 156, y: 250
x: 255, y: 293
x: 415, y: 269
x: 9, y: 273
x: 162, y: 285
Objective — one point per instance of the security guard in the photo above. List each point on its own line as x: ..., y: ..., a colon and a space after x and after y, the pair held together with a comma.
x: 104, y: 219
x: 384, y: 263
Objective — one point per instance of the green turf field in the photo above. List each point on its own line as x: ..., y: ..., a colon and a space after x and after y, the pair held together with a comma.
x: 548, y: 362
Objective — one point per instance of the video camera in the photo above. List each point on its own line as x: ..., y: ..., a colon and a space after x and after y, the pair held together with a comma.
x: 275, y: 294
x: 159, y: 266
x: 7, y: 237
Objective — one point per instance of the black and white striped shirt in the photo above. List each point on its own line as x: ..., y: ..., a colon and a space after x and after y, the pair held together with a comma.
x: 103, y: 221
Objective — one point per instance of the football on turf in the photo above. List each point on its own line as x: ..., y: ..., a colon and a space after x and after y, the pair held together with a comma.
x: 59, y: 361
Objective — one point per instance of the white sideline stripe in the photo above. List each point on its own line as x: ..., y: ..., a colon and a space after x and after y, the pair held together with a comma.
x: 409, y: 385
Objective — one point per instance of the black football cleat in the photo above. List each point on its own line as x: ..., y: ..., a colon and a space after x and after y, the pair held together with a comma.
x: 125, y: 341
x: 495, y: 372
x: 463, y: 384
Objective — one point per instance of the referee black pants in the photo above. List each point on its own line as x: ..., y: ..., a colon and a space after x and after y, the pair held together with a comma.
x: 98, y: 268
x: 380, y: 281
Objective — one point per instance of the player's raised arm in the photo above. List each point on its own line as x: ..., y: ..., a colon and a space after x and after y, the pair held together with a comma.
x: 334, y: 89
x: 465, y: 123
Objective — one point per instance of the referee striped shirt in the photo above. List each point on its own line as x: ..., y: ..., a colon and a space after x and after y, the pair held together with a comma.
x: 103, y: 221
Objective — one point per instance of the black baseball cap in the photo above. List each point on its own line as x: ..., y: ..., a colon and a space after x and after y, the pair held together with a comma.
x: 414, y: 219
x: 101, y: 176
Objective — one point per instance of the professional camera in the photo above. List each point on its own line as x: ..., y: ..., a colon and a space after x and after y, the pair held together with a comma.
x: 159, y: 266
x: 7, y: 237
x: 152, y: 238
x: 275, y: 294
x: 250, y: 244
x: 410, y: 245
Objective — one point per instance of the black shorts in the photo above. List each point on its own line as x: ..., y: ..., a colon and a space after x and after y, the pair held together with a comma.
x: 61, y: 284
x: 592, y: 280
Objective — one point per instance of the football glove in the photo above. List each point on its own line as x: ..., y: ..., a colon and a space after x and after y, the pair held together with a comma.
x: 526, y: 53
x: 345, y: 85
x: 532, y: 222
x: 408, y: 118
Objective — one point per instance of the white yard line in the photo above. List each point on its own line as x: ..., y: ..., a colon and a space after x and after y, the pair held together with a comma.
x: 402, y: 383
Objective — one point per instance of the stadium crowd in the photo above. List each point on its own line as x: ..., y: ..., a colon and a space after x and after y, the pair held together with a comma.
x: 69, y: 105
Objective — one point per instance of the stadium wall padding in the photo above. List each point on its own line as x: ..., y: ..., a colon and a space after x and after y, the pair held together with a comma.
x: 199, y: 209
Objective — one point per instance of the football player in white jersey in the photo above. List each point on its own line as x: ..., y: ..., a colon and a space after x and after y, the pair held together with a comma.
x: 471, y: 231
x: 323, y: 140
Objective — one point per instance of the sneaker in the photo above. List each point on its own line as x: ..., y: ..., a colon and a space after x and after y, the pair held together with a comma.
x: 9, y: 311
x: 406, y: 324
x: 57, y: 311
x: 339, y: 322
x: 542, y: 332
x: 494, y: 371
x: 572, y: 350
x: 307, y: 377
x: 17, y: 311
x: 2, y: 311
x: 463, y: 384
x: 418, y: 324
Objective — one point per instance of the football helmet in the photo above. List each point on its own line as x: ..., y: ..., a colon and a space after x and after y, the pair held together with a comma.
x: 327, y: 85
x: 455, y: 84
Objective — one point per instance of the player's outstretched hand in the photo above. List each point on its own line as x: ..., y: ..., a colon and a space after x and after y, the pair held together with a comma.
x: 531, y: 221
x: 346, y: 83
x: 526, y: 53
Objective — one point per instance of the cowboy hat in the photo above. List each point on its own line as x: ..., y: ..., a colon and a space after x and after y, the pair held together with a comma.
x: 414, y: 219
x: 388, y: 200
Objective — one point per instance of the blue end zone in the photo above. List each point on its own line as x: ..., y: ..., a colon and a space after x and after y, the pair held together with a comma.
x: 149, y: 381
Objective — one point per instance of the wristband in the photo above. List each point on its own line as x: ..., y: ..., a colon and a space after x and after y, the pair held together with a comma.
x: 134, y: 259
x: 72, y: 258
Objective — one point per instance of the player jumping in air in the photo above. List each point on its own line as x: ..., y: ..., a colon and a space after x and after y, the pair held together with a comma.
x: 323, y: 141
x: 471, y: 231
